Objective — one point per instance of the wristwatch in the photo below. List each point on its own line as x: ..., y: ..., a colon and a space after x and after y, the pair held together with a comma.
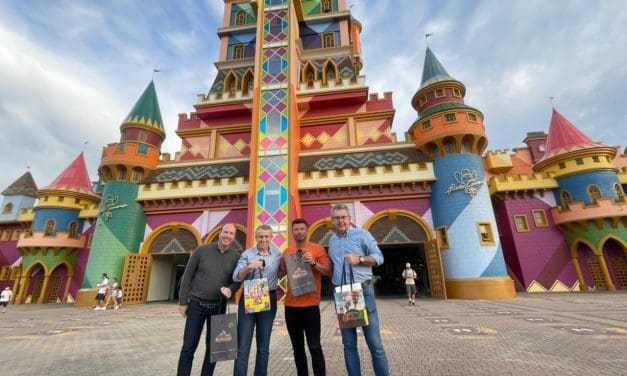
x: 362, y: 259
x: 314, y: 263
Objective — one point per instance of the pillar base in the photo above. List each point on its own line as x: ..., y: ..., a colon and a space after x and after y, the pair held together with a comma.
x: 480, y: 288
x: 85, y: 298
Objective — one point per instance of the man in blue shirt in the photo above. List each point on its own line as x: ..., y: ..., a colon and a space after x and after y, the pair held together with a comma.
x: 351, y: 247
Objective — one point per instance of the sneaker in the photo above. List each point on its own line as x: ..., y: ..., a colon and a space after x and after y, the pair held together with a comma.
x: 116, y: 307
x: 410, y: 302
x: 413, y: 302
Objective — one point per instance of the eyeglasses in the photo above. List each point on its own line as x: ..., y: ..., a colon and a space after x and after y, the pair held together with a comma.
x: 341, y: 218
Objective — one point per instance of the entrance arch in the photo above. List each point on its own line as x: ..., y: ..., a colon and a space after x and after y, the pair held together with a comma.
x: 615, y: 254
x: 163, y: 258
x: 240, y: 236
x: 59, y: 283
x: 401, y: 235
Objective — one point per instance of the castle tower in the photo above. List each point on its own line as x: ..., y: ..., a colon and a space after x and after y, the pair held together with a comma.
x: 121, y: 219
x: 19, y: 195
x: 592, y: 209
x: 453, y: 135
x: 50, y: 248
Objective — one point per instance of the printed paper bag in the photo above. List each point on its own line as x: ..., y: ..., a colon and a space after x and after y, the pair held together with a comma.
x: 299, y: 275
x: 256, y: 295
x: 223, y: 337
x: 350, y: 306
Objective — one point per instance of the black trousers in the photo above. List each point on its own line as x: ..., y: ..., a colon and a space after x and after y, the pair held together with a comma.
x: 301, y: 322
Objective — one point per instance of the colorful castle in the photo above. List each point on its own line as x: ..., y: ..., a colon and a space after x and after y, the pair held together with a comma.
x: 288, y: 128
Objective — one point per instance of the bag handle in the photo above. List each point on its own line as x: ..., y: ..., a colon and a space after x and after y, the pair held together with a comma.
x: 352, y: 278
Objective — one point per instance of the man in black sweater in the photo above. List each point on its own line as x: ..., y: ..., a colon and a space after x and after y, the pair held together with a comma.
x: 206, y: 286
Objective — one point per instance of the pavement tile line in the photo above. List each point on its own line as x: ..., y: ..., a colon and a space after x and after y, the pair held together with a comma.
x: 145, y: 340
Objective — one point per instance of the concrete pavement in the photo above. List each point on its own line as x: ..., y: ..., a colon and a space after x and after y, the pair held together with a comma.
x: 534, y: 334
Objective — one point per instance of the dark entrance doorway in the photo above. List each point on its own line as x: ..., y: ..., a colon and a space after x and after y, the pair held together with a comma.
x: 388, y: 275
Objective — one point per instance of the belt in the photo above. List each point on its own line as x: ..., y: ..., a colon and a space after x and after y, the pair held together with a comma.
x: 203, y: 301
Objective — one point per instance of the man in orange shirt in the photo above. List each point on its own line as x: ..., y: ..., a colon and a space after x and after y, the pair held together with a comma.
x: 302, y: 313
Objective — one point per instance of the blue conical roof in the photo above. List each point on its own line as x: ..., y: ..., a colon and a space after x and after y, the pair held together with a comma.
x: 433, y: 70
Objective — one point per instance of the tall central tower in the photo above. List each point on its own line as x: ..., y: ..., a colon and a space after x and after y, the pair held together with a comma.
x: 274, y: 143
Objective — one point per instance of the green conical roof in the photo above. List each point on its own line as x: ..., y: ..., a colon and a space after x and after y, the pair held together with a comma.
x: 433, y: 71
x: 146, y: 111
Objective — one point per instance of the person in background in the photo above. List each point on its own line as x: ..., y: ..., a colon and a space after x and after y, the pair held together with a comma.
x: 113, y: 294
x: 206, y: 286
x: 102, y: 291
x: 351, y: 247
x: 302, y: 313
x: 263, y: 259
x: 409, y: 275
x: 5, y: 298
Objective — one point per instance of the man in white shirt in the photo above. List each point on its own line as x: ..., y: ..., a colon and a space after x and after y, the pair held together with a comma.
x: 5, y: 298
x: 409, y: 275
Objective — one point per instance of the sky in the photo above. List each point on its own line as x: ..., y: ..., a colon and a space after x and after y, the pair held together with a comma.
x: 70, y: 71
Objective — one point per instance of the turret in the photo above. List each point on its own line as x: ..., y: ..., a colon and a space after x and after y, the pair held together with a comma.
x: 592, y: 208
x: 452, y: 133
x: 19, y: 195
x: 50, y: 247
x: 121, y: 219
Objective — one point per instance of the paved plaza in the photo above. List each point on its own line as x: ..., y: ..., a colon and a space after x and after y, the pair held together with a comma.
x: 534, y: 334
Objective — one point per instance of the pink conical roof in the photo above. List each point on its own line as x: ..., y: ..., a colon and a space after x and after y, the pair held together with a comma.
x: 74, y: 178
x: 564, y: 137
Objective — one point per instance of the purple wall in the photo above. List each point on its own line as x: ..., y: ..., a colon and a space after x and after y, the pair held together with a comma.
x: 541, y: 254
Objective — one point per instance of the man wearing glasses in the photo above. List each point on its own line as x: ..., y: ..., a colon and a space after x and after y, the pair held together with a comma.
x: 351, y: 247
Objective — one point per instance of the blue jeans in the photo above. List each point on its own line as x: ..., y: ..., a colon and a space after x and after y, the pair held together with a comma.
x: 197, y: 314
x: 246, y: 323
x: 373, y: 339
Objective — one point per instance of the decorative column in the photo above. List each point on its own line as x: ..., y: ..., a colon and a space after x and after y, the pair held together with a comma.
x: 609, y: 285
x: 44, y: 290
x: 582, y: 282
x: 272, y: 157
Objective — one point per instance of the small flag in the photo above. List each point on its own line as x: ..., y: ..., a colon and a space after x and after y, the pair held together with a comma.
x: 156, y: 70
x: 428, y: 35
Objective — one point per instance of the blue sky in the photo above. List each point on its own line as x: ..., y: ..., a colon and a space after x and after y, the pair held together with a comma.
x: 71, y: 70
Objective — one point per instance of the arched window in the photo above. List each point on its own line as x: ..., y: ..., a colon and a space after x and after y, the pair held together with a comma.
x: 594, y: 193
x: 620, y: 196
x: 137, y: 175
x: 240, y: 18
x: 230, y: 84
x: 122, y: 173
x: 329, y: 73
x: 247, y: 83
x: 467, y: 144
x: 433, y: 149
x: 566, y: 198
x: 449, y: 146
x: 309, y: 75
x: 50, y: 229
x: 73, y: 229
x: 7, y: 208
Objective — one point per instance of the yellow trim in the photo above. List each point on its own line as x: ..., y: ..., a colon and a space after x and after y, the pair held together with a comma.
x: 574, y: 245
x: 217, y: 229
x: 441, y: 243
x: 326, y: 221
x: 544, y: 218
x: 171, y: 225
x: 614, y: 237
x: 391, y: 213
x: 491, y: 240
x: 480, y: 288
x: 27, y: 272
x: 444, y: 121
x: 526, y: 223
